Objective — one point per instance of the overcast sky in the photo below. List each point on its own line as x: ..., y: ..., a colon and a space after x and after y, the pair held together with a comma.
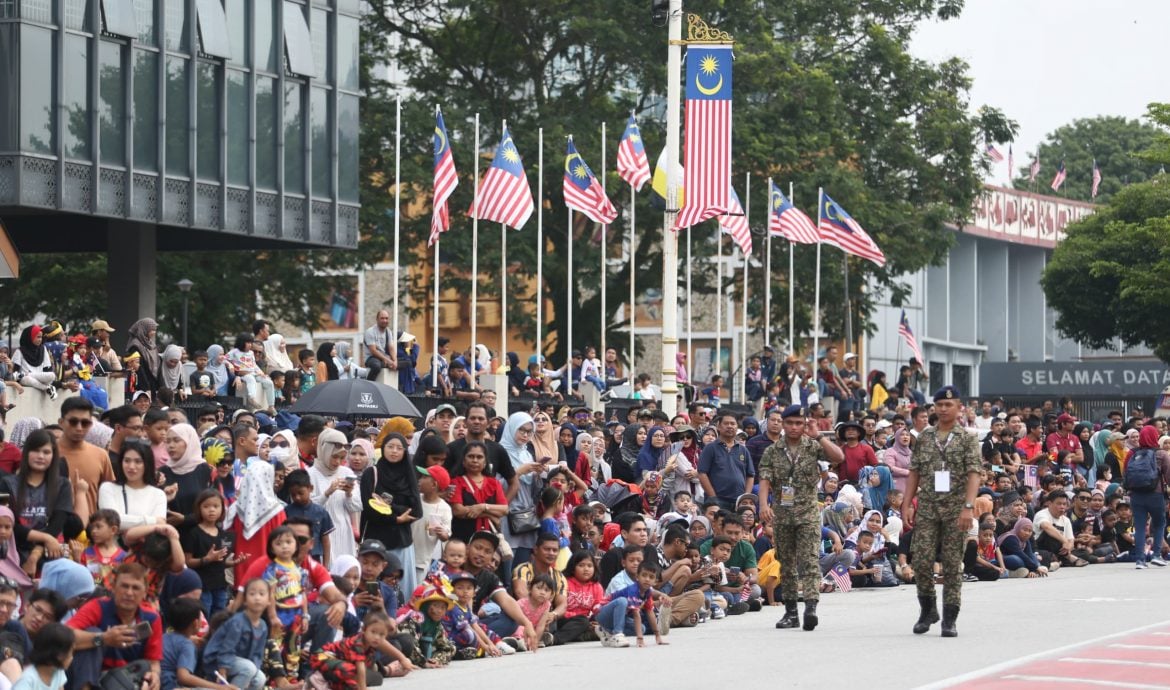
x: 1048, y: 62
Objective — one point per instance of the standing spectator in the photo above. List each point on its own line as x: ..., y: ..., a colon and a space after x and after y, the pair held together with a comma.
x: 1149, y: 501
x: 333, y: 490
x: 857, y: 454
x: 133, y: 494
x: 377, y: 339
x: 897, y: 457
x: 326, y: 367
x: 88, y: 464
x: 142, y: 340
x: 101, y: 330
x: 725, y: 467
x: 406, y: 361
x: 171, y: 372
x: 185, y: 470
x: 276, y: 355
x: 256, y: 512
x: 391, y: 502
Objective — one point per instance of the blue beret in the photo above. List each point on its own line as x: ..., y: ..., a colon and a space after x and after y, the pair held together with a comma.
x: 946, y: 393
x: 792, y: 411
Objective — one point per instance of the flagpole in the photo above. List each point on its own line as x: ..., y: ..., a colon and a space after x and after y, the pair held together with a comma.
x: 633, y: 296
x: 475, y: 250
x: 669, y: 238
x: 791, y: 287
x: 397, y: 200
x: 435, y: 323
x: 848, y: 306
x: 569, y: 292
x: 503, y: 276
x: 817, y: 289
x: 718, y: 301
x: 604, y: 238
x: 539, y: 238
x: 747, y: 216
x: 768, y: 270
x: 690, y: 321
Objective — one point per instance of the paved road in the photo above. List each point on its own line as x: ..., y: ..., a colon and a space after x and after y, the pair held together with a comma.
x: 1012, y: 633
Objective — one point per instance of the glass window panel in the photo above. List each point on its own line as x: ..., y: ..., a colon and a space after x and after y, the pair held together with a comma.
x: 267, y: 126
x: 176, y: 24
x: 119, y: 18
x: 238, y: 21
x: 297, y: 42
x: 77, y: 15
x: 178, y: 156
x: 350, y: 6
x: 322, y: 160
x: 294, y: 140
x: 144, y: 11
x: 238, y: 145
x: 145, y: 110
x: 9, y: 82
x: 36, y: 90
x: 347, y: 148
x: 76, y: 93
x: 8, y: 11
x: 207, y: 121
x: 111, y: 103
x: 266, y: 48
x: 320, y: 29
x: 347, y: 53
x: 213, y: 28
x: 37, y: 11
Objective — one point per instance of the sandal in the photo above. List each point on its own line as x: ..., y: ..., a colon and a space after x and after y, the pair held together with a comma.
x: 1079, y: 563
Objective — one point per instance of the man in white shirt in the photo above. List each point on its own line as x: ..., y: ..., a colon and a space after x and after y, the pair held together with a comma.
x: 381, y: 346
x: 1054, y: 530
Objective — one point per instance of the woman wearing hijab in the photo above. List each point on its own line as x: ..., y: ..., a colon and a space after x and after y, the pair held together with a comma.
x: 141, y: 340
x: 256, y: 512
x: 544, y: 440
x: 326, y: 368
x: 217, y: 366
x: 10, y: 566
x: 516, y: 374
x: 625, y: 466
x: 333, y: 490
x: 897, y: 457
x: 1088, y: 465
x: 1150, y: 503
x: 1117, y: 452
x: 408, y: 352
x: 390, y: 502
x: 684, y: 475
x: 1018, y: 555
x: 524, y: 496
x: 876, y: 483
x: 31, y: 364
x: 171, y: 374
x: 185, y: 470
x: 567, y: 438
x: 22, y: 429
x: 653, y: 451
x: 276, y: 354
x: 346, y: 367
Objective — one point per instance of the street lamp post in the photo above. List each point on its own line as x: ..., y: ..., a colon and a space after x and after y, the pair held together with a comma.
x: 185, y: 286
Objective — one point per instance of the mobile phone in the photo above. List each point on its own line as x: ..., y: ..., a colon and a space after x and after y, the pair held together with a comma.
x: 372, y: 588
x: 142, y: 631
x: 734, y: 570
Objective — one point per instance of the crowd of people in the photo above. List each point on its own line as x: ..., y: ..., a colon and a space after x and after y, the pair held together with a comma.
x: 190, y: 546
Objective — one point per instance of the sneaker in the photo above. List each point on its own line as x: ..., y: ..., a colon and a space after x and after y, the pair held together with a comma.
x: 664, y: 612
x: 514, y: 643
x: 1019, y: 572
x: 603, y: 636
x: 738, y: 609
x: 505, y: 648
x: 619, y: 640
x: 1139, y: 565
x: 1158, y: 562
x: 52, y: 392
x: 967, y: 577
x: 717, y: 613
x: 546, y: 640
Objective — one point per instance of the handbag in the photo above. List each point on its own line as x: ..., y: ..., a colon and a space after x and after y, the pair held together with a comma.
x: 523, y: 521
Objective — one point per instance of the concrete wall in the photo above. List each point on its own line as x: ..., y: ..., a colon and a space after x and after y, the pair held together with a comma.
x: 34, y: 403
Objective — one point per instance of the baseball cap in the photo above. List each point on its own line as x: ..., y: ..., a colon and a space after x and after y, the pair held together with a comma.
x: 1065, y: 417
x: 446, y: 407
x: 849, y: 356
x: 486, y: 535
x: 438, y: 473
x: 101, y: 325
x: 373, y: 546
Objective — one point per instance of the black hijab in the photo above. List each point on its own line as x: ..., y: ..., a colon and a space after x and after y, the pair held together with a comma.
x: 32, y: 354
x: 325, y: 355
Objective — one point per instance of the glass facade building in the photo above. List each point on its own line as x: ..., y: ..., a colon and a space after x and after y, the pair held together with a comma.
x: 235, y: 117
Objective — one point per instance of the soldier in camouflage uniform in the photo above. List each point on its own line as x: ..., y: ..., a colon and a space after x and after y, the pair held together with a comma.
x: 946, y: 467
x: 789, y: 467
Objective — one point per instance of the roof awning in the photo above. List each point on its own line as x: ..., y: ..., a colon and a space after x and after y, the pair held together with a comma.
x: 9, y: 257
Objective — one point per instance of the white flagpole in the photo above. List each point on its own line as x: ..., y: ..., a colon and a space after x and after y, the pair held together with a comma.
x: 539, y: 238
x: 435, y: 323
x: 633, y: 280
x: 768, y: 268
x: 604, y: 237
x: 569, y: 296
x: 690, y: 323
x: 817, y: 289
x: 397, y: 199
x: 743, y: 348
x: 718, y: 300
x: 475, y: 248
x: 791, y: 287
x: 503, y: 277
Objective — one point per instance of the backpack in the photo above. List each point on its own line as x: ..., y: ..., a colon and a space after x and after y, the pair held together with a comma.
x: 1141, y: 471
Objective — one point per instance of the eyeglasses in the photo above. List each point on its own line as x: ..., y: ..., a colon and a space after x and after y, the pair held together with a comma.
x: 524, y: 430
x: 279, y: 444
x: 82, y: 422
x: 7, y: 604
x: 40, y: 612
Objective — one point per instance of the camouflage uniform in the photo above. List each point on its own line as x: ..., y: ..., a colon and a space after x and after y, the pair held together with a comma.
x: 797, y: 528
x: 936, y: 528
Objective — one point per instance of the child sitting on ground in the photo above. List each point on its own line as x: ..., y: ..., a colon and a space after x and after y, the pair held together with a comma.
x: 536, y: 609
x: 462, y: 625
x: 424, y: 623
x: 982, y: 558
x: 631, y: 606
x: 180, y: 657
x: 343, y: 664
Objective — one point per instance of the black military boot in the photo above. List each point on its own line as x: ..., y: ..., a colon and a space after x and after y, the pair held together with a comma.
x: 810, y: 614
x: 928, y: 614
x: 950, y: 614
x: 790, y: 619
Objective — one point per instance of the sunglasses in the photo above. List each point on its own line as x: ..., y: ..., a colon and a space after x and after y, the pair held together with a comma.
x: 77, y: 421
x: 301, y: 541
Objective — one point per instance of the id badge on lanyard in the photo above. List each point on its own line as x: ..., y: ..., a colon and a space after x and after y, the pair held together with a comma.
x: 788, y: 491
x: 942, y: 478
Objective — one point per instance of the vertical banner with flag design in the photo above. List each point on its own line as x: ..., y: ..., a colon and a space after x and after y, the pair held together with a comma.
x: 707, y: 154
x: 789, y: 222
x: 504, y: 194
x: 840, y: 230
x: 582, y: 190
x: 445, y: 180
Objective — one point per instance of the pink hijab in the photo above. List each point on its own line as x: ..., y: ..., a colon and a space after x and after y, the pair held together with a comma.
x: 10, y: 561
x: 193, y: 457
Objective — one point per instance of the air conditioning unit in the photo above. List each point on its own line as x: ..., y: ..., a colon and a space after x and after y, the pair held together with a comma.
x: 449, y: 315
x: 487, y: 314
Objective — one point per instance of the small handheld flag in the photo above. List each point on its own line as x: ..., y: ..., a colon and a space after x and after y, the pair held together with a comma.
x: 632, y: 165
x: 840, y: 230
x: 445, y: 180
x: 504, y: 194
x: 582, y: 190
x: 840, y: 577
x: 789, y: 222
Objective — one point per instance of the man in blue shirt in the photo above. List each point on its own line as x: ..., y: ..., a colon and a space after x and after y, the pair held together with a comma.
x: 726, y: 469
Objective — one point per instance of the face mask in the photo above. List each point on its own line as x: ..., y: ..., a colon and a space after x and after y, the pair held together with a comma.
x: 277, y: 455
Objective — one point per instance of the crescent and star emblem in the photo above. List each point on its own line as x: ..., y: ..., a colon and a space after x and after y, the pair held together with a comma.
x: 440, y: 140
x: 579, y: 171
x: 777, y: 201
x: 708, y: 66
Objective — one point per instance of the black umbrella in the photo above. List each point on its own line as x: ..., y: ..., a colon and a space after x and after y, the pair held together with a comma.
x: 355, y: 398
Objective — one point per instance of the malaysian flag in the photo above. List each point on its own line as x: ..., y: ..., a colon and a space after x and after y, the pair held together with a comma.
x: 734, y: 223
x: 908, y: 336
x: 994, y: 154
x: 1034, y: 170
x: 504, y: 194
x: 840, y: 230
x: 839, y: 575
x: 790, y: 222
x: 445, y: 180
x: 582, y: 190
x: 1096, y: 179
x: 1030, y: 476
x: 1059, y: 179
x: 632, y: 164
x: 707, y: 159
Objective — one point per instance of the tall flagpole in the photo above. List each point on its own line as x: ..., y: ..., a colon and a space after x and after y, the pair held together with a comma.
x: 475, y: 250
x: 791, y: 287
x: 817, y: 290
x: 669, y: 237
x: 743, y: 349
x: 690, y: 322
x: 604, y: 238
x: 503, y: 278
x: 397, y: 200
x: 569, y: 296
x: 633, y: 294
x: 539, y: 238
x: 718, y: 301
x: 768, y: 269
x: 435, y: 323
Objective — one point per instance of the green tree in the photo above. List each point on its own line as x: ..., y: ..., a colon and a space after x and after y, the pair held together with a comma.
x: 1116, y: 143
x: 826, y: 94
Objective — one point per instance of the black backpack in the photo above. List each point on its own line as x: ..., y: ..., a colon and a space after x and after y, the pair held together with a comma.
x: 1141, y: 471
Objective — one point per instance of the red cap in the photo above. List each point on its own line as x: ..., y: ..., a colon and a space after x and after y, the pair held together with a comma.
x: 440, y: 475
x: 1066, y: 417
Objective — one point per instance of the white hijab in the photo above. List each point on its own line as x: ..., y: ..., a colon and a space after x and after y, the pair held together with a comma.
x: 277, y: 358
x: 256, y: 501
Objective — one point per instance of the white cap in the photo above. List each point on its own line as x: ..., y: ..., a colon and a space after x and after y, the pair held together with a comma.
x: 850, y: 355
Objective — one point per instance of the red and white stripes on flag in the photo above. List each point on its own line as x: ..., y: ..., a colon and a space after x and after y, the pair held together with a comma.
x: 445, y: 180
x: 734, y: 223
x: 1058, y: 180
x: 839, y: 229
x: 839, y: 575
x: 632, y: 164
x: 994, y: 154
x: 504, y: 194
x: 1034, y: 170
x: 707, y: 156
x: 789, y: 222
x: 908, y: 336
x: 1096, y: 179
